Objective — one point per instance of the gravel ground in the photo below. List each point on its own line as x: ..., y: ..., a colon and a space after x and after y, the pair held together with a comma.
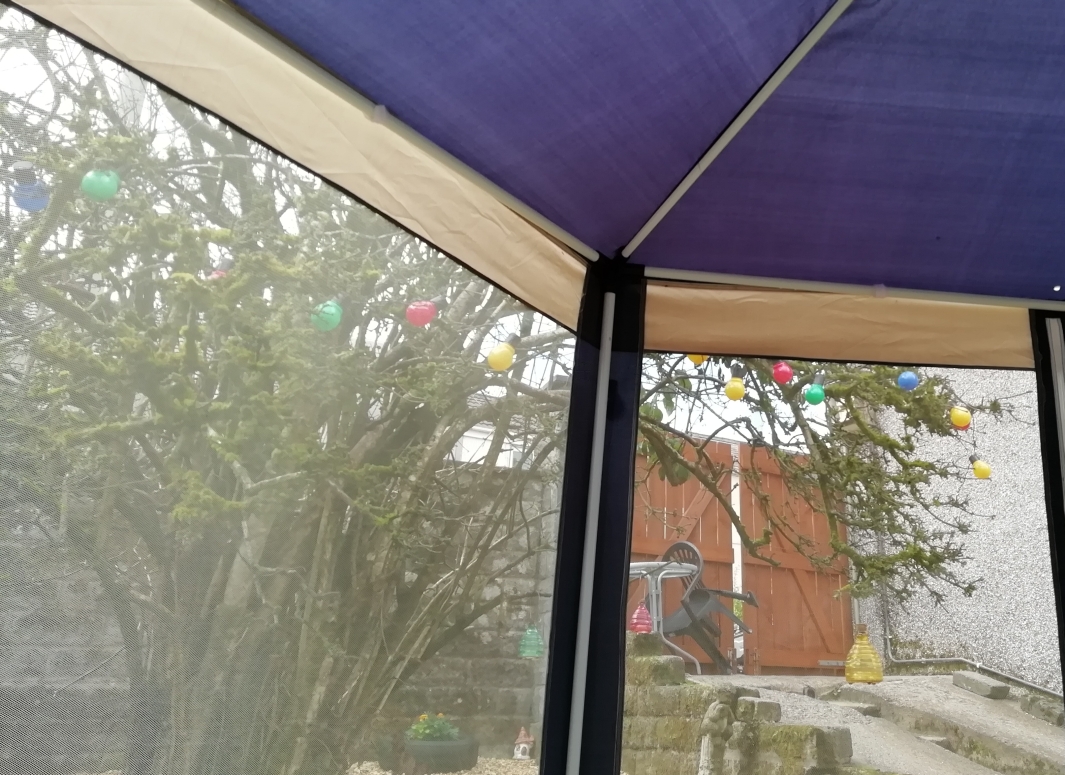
x: 484, y: 767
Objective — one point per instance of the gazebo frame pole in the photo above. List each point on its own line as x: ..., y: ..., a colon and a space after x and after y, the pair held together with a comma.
x: 585, y: 679
x: 1048, y: 344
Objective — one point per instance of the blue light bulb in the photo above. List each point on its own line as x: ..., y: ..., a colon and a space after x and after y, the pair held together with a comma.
x: 28, y: 193
x: 909, y: 380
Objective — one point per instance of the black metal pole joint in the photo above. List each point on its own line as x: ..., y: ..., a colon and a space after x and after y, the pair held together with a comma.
x: 585, y: 680
x: 1048, y: 344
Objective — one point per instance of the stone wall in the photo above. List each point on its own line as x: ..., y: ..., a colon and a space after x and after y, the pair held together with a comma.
x: 1010, y: 623
x: 80, y: 729
x: 673, y: 726
x: 480, y: 680
x: 63, y: 683
x: 62, y: 680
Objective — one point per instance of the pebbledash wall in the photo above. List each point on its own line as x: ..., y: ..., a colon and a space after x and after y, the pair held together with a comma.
x: 1010, y: 622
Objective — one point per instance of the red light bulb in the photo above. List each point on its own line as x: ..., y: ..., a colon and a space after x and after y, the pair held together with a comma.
x: 421, y: 313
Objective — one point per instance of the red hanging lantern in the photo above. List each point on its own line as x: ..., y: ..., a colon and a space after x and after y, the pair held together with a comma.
x: 782, y: 373
x: 421, y: 313
x: 641, y: 620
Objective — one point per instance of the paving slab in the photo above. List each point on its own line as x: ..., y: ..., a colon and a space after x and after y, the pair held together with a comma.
x: 810, y: 685
x: 876, y: 743
x: 983, y: 728
x: 865, y: 708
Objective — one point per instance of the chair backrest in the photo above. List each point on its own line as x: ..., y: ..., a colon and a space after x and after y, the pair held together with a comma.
x: 686, y: 552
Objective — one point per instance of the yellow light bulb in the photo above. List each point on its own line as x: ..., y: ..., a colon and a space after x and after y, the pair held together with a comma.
x: 501, y: 357
x: 734, y: 389
x: 698, y: 360
x: 960, y: 417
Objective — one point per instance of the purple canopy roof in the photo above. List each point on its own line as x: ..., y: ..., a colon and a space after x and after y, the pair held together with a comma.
x: 920, y: 144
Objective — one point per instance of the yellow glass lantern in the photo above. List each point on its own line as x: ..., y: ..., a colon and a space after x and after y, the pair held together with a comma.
x: 863, y: 664
x: 981, y: 470
x: 501, y: 357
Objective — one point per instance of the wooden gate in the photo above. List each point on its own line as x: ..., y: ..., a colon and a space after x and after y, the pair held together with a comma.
x: 803, y: 622
x: 664, y: 514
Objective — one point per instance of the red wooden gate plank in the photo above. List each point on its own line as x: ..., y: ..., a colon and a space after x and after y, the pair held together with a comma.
x: 823, y: 629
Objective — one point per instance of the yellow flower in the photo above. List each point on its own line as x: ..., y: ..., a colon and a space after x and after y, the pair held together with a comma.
x: 439, y: 715
x: 423, y: 717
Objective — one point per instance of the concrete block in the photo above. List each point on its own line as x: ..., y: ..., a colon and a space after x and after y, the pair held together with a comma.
x: 638, y: 644
x: 1044, y: 708
x: 785, y: 748
x: 687, y: 700
x: 654, y: 671
x: 658, y: 762
x: 942, y: 742
x: 839, y: 738
x: 981, y: 685
x: 660, y: 734
x: 728, y: 693
x: 752, y: 709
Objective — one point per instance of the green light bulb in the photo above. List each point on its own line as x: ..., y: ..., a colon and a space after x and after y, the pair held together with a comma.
x: 100, y: 185
x: 814, y: 394
x: 327, y: 315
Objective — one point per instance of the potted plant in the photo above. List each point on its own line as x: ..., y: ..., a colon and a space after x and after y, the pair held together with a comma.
x: 437, y: 745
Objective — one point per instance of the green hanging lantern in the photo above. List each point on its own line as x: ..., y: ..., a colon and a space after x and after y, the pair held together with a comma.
x: 532, y: 645
x: 327, y: 315
x: 100, y: 185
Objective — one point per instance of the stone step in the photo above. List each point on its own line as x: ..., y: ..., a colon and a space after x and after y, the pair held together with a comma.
x: 981, y: 685
x: 942, y: 742
x: 866, y: 709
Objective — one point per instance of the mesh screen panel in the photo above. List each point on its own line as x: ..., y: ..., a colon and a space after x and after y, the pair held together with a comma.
x: 278, y: 481
x: 854, y: 557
